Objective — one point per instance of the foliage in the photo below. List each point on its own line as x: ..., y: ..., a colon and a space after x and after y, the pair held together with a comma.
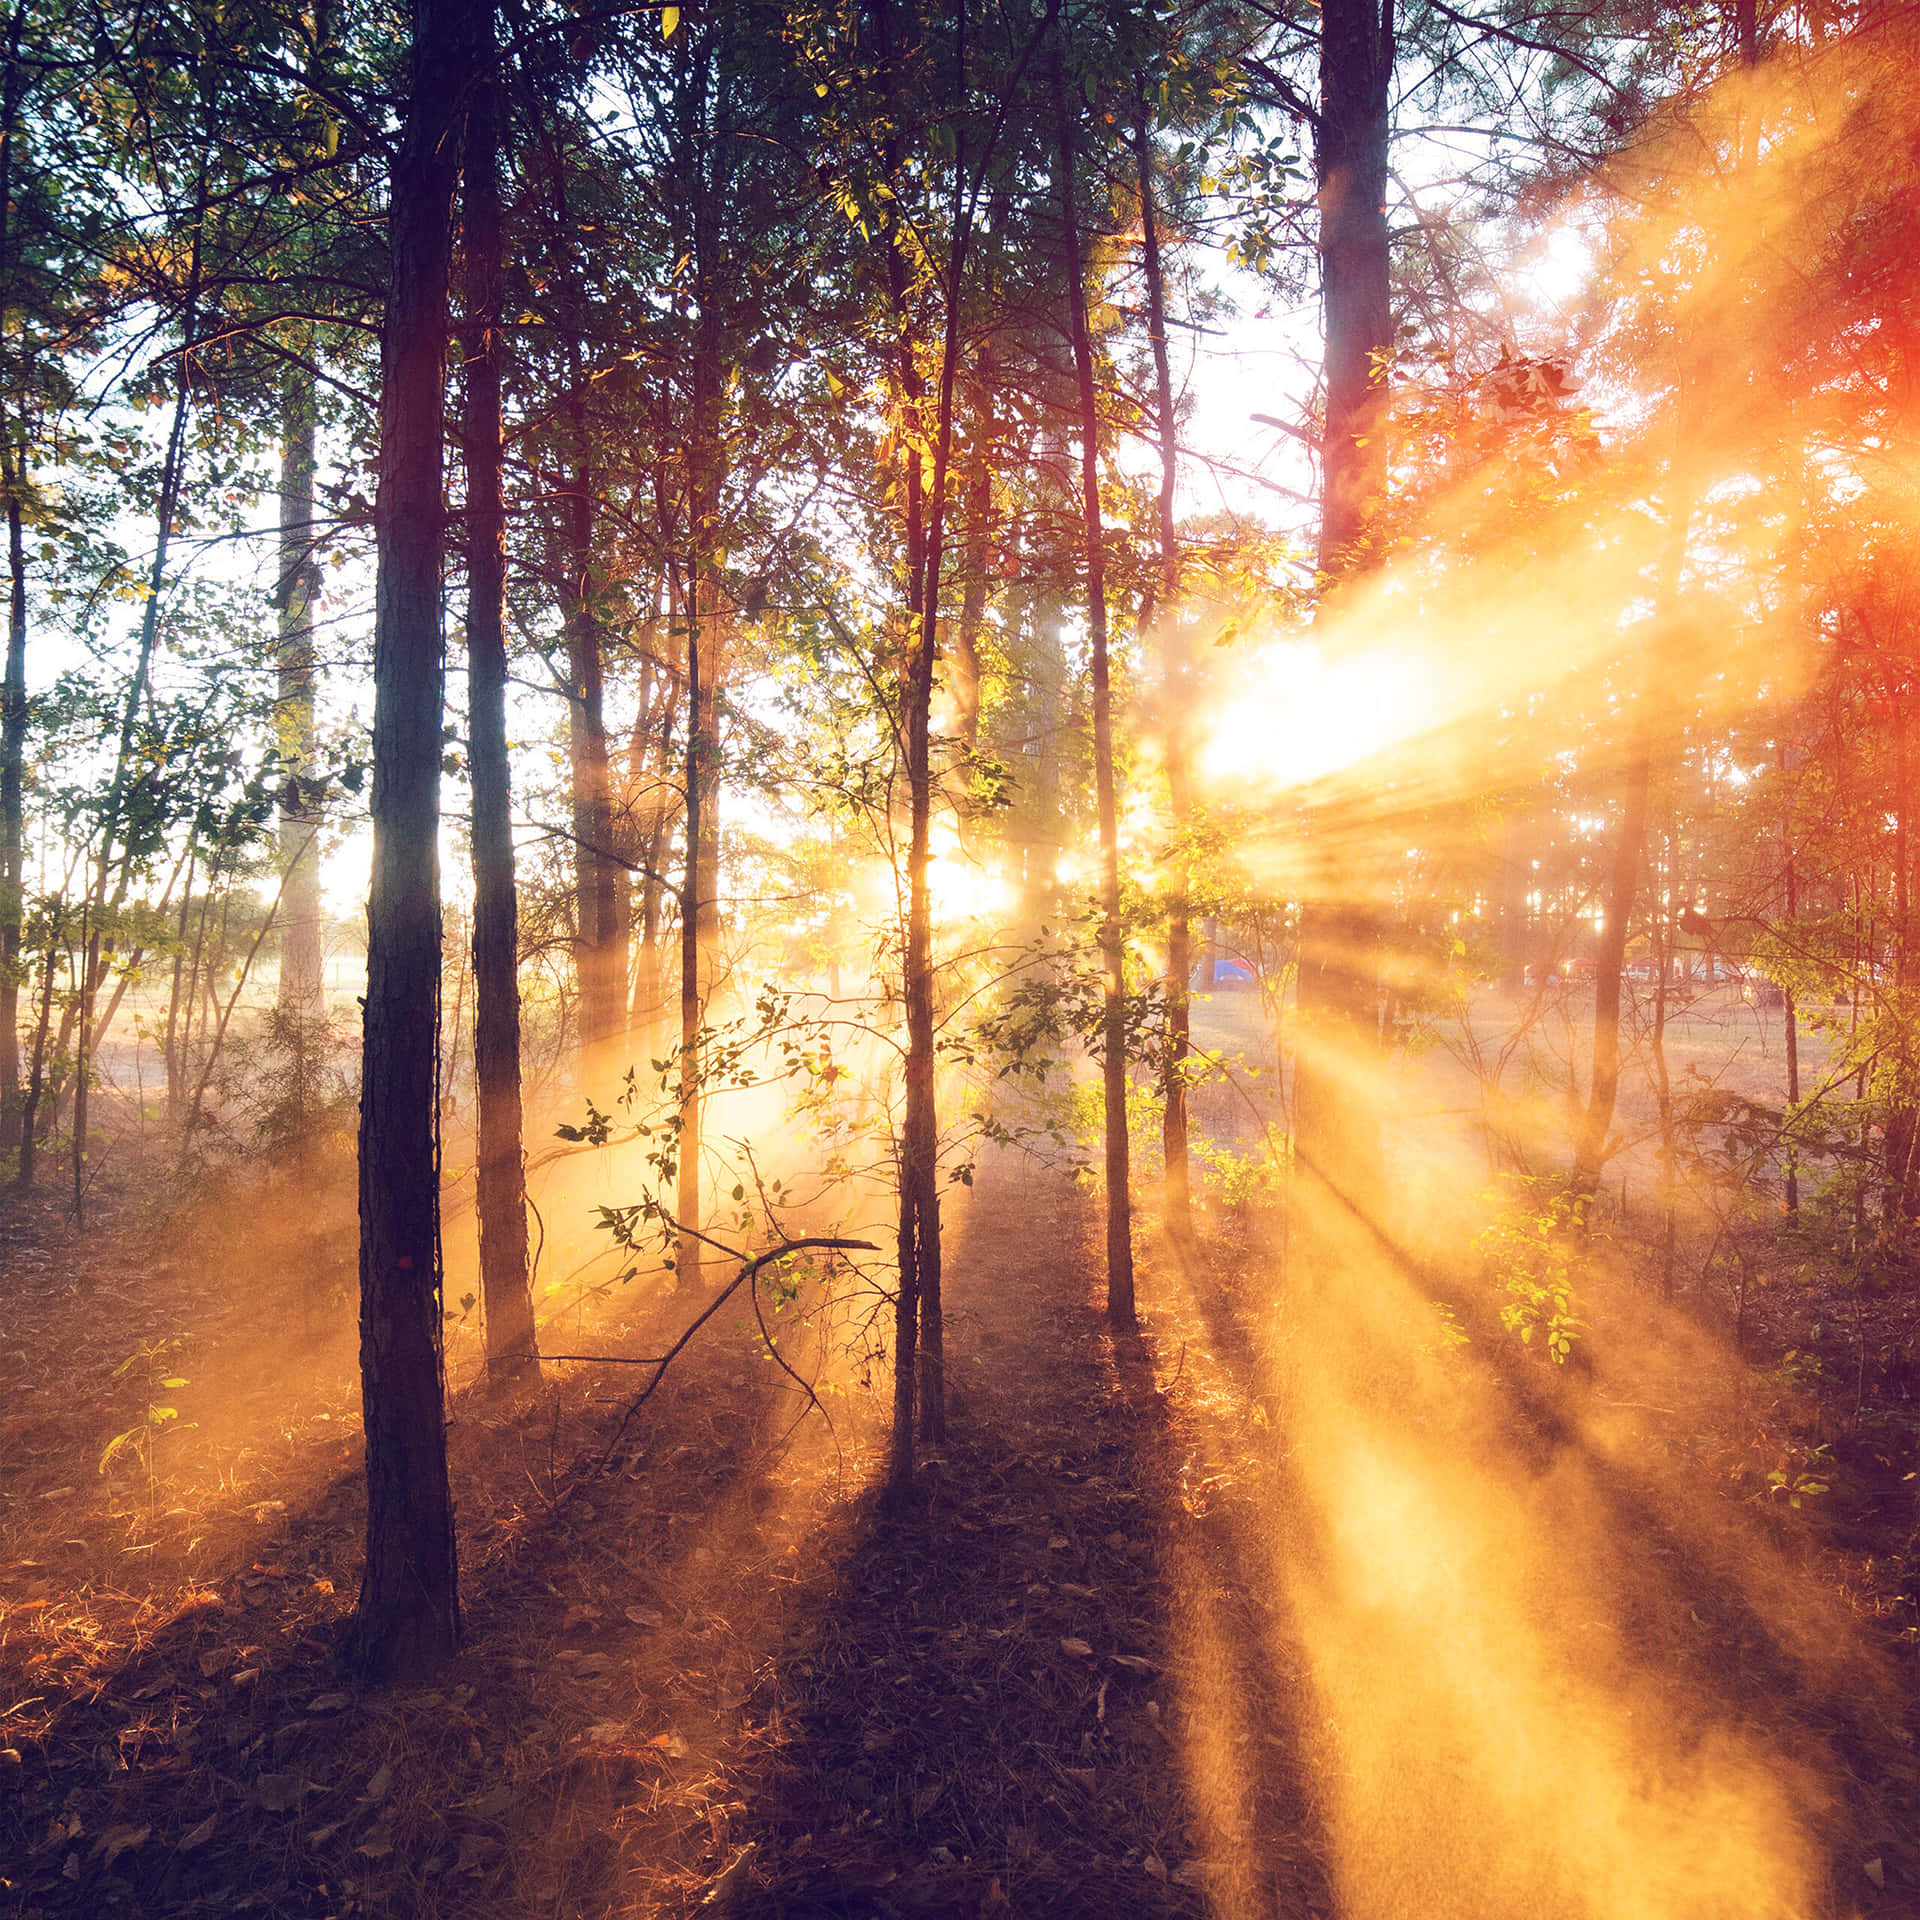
x: 1531, y: 1250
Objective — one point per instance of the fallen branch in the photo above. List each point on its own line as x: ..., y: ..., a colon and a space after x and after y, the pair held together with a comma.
x: 748, y: 1272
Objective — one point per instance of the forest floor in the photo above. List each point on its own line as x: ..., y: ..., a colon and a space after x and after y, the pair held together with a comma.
x: 1211, y: 1620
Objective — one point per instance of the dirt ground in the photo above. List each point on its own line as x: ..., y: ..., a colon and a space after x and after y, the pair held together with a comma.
x: 1088, y: 1675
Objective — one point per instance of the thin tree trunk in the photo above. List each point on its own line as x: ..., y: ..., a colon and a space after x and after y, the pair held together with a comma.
x: 602, y: 936
x: 705, y: 116
x: 918, y: 1233
x: 687, y: 1201
x: 500, y: 1180
x: 1164, y: 608
x: 301, y: 985
x: 1791, y: 1013
x: 407, y: 1619
x: 1623, y: 877
x: 1662, y: 1079
x: 13, y: 754
x: 173, y: 1042
x: 13, y: 689
x: 1113, y: 1049
x: 36, y: 1073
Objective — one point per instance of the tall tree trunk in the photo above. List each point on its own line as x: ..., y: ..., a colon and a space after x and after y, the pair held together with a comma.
x: 1650, y: 723
x: 648, y: 775
x: 13, y: 755
x: 704, y: 129
x: 602, y: 948
x: 1336, y: 1138
x: 1113, y: 1036
x: 920, y: 1134
x: 14, y: 457
x: 500, y: 1181
x: 1790, y: 1013
x: 1164, y: 613
x: 37, y: 1070
x: 692, y: 911
x: 301, y: 982
x: 408, y: 1615
x: 917, y: 1238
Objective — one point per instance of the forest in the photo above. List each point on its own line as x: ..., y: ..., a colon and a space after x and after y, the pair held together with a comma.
x: 960, y: 961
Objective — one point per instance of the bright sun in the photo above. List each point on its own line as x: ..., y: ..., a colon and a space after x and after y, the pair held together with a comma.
x: 1297, y: 717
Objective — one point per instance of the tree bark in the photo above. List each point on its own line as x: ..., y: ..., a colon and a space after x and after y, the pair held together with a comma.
x: 917, y: 1236
x: 602, y: 950
x: 301, y: 979
x: 1336, y: 1139
x: 1163, y: 614
x: 1650, y: 724
x: 1113, y: 1025
x: 687, y: 1203
x: 408, y: 1616
x: 705, y: 123
x: 13, y: 755
x: 13, y: 689
x: 500, y: 1181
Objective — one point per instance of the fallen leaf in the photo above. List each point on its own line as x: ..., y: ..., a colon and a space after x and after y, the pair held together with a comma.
x: 246, y: 1676
x: 200, y: 1835
x: 330, y: 1703
x: 1078, y: 1592
x: 1876, y: 1872
x: 374, y: 1849
x: 725, y: 1894
x: 672, y: 1743
x: 1078, y: 1648
x: 590, y: 1664
x: 1058, y: 1543
x: 211, y: 1663
x: 1154, y: 1865
x: 603, y: 1733
x: 927, y: 1799
x: 1132, y: 1662
x: 321, y: 1835
x: 646, y: 1616
x: 118, y: 1840
x: 280, y: 1792
x: 378, y: 1785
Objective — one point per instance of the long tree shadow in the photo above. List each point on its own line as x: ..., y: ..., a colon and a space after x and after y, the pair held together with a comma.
x: 1043, y: 1690
x: 221, y: 1763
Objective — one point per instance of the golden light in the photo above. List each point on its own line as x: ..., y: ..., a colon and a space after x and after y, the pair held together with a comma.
x: 1294, y: 716
x: 963, y: 886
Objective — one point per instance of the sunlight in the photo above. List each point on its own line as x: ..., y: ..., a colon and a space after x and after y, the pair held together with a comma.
x: 1295, y: 717
x: 964, y: 887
